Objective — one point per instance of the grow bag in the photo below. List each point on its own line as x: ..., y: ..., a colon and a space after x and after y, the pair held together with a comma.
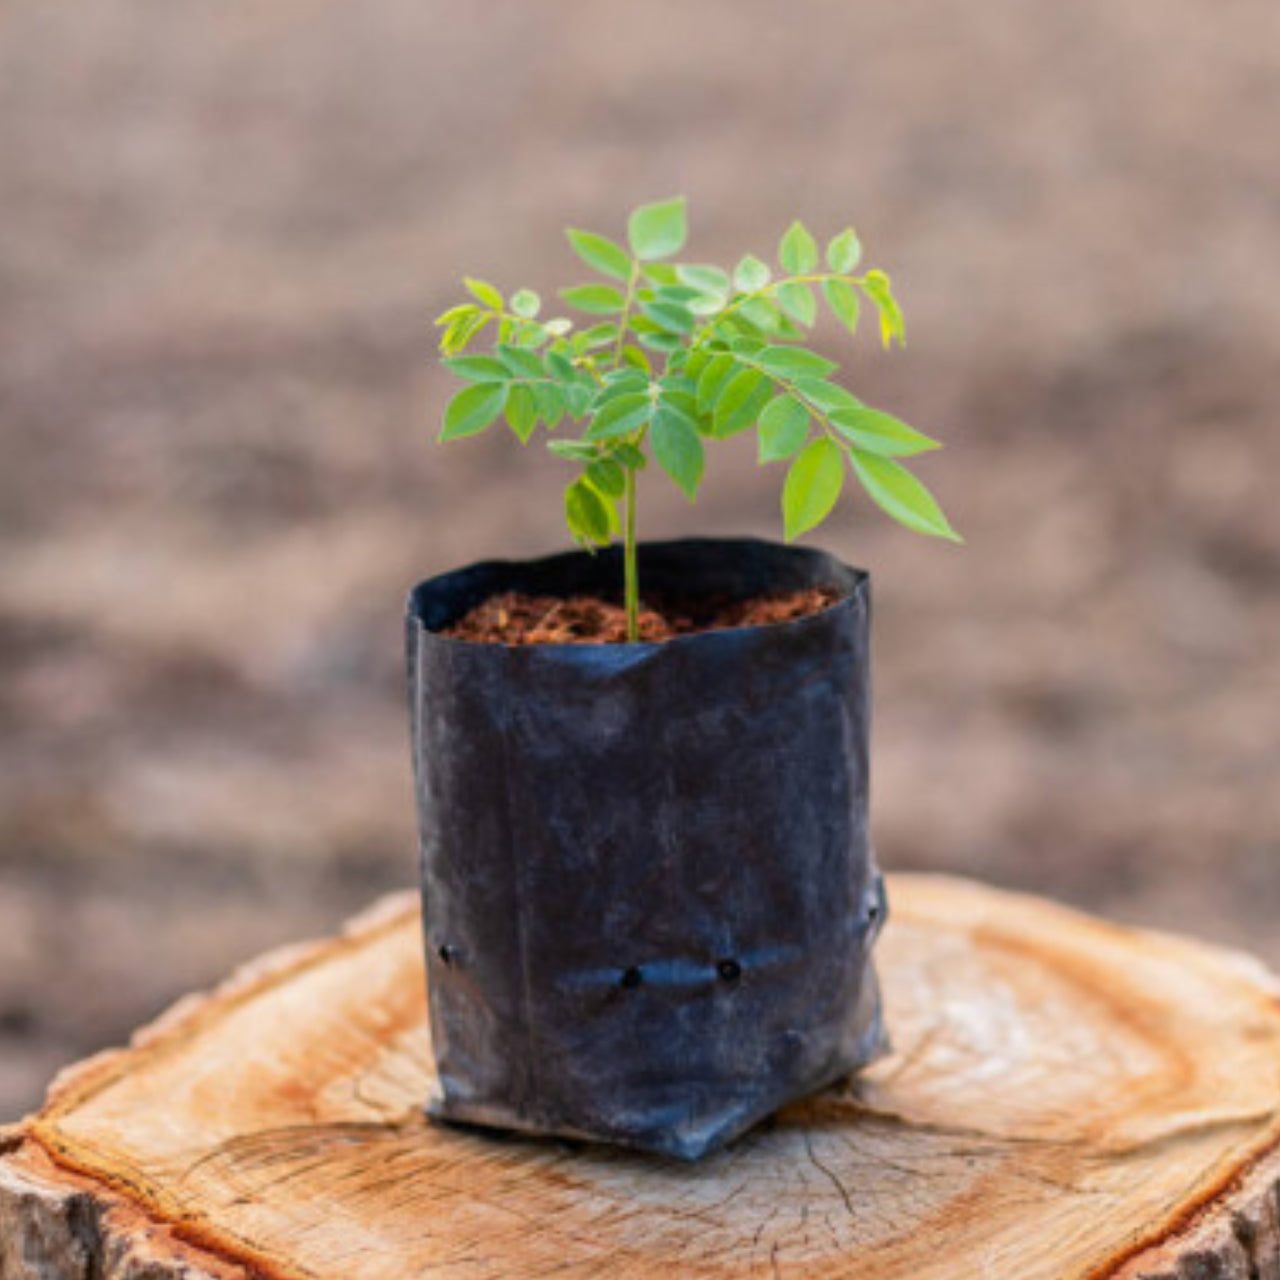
x: 649, y: 896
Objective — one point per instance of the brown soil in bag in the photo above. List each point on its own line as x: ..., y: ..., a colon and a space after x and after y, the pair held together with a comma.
x: 516, y: 618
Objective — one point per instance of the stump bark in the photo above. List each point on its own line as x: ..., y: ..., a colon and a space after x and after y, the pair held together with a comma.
x: 1067, y: 1100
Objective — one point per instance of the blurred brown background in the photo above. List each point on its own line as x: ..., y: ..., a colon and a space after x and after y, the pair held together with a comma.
x: 223, y: 231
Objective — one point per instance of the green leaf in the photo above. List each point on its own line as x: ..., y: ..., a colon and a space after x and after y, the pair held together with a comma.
x: 751, y: 275
x: 797, y: 251
x: 793, y: 362
x: 660, y: 273
x: 530, y: 334
x: 797, y: 299
x: 695, y: 362
x: 470, y: 411
x: 681, y: 400
x: 813, y: 485
x: 896, y: 491
x: 483, y: 292
x: 681, y: 293
x: 599, y: 335
x: 579, y: 397
x: 607, y: 476
x: 842, y: 298
x: 478, y: 368
x: 844, y: 252
x: 621, y: 416
x: 586, y: 513
x: 574, y: 450
x: 456, y: 313
x: 560, y: 365
x: 746, y: 414
x: 629, y: 456
x: 521, y: 412
x: 551, y: 402
x: 882, y: 433
x: 712, y: 380
x: 462, y: 329
x: 657, y: 230
x: 877, y: 287
x: 669, y: 315
x: 735, y: 400
x: 601, y: 253
x: 762, y: 314
x: 522, y: 363
x: 526, y: 303
x: 658, y: 339
x: 706, y: 279
x: 827, y: 396
x: 677, y: 449
x: 783, y: 428
x: 636, y: 358
x: 595, y: 299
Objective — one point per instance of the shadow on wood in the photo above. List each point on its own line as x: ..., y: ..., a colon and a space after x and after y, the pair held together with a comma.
x: 1067, y: 1099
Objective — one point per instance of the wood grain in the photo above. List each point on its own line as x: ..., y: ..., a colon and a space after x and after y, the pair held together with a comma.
x: 1068, y: 1100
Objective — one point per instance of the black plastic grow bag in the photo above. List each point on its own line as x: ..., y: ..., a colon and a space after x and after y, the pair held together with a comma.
x: 649, y: 895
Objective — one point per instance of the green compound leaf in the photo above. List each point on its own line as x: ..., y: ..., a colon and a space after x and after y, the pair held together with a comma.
x: 751, y: 275
x: 472, y: 410
x: 678, y: 449
x: 521, y: 412
x: 478, y: 368
x: 797, y: 251
x: 793, y: 362
x: 798, y: 301
x: 881, y: 433
x: 813, y: 485
x: 842, y: 298
x: 898, y: 493
x: 595, y: 299
x: 526, y: 303
x: 586, y: 513
x: 658, y: 230
x: 783, y: 428
x: 484, y: 292
x: 601, y: 254
x: 844, y: 252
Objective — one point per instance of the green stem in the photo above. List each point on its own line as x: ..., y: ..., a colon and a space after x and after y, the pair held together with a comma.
x: 630, y: 575
x: 626, y: 312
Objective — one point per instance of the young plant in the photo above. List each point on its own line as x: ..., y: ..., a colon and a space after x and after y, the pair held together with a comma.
x: 679, y: 354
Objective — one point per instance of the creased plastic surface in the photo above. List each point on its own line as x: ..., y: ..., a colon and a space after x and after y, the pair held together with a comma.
x: 649, y: 895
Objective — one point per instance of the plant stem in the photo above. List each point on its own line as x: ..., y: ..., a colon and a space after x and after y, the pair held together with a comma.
x: 630, y: 576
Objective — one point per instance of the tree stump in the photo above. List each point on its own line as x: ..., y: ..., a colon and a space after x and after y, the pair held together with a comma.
x: 1066, y: 1099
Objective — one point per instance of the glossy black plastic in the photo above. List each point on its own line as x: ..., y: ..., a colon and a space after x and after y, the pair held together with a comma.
x: 649, y: 895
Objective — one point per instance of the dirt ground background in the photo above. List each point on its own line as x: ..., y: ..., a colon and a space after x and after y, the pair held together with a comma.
x: 223, y: 231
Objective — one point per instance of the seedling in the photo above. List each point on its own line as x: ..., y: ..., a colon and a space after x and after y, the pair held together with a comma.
x: 676, y: 355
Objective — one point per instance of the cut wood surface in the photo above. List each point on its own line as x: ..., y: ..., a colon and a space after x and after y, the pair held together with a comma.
x: 1066, y: 1099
